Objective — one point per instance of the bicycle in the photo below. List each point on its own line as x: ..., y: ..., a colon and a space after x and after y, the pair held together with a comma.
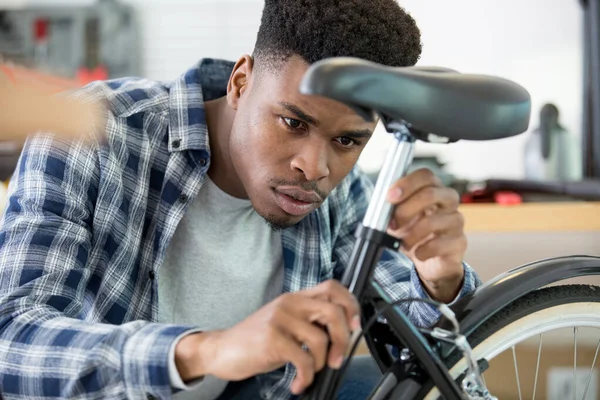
x: 445, y: 360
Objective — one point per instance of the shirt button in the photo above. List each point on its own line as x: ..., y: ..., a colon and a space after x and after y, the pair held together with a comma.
x: 151, y: 275
x: 176, y: 144
x: 203, y: 162
x: 183, y: 198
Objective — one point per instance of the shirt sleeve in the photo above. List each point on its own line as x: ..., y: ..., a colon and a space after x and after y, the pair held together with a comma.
x: 395, y: 272
x: 47, y: 349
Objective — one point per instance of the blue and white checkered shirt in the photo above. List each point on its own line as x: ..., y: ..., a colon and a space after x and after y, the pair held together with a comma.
x: 86, y: 229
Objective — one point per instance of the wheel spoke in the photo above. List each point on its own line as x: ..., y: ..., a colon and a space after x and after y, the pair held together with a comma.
x: 537, y: 368
x: 575, y: 364
x: 587, y: 385
x: 517, y: 372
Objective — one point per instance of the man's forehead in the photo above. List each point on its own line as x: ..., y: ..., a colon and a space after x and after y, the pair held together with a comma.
x: 282, y: 87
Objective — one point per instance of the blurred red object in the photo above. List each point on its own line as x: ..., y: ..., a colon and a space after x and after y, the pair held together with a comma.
x: 41, y: 30
x: 486, y: 196
x: 475, y: 196
x: 85, y: 76
x: 508, y: 198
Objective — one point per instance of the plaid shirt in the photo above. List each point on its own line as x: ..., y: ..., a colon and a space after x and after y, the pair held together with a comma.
x: 86, y: 229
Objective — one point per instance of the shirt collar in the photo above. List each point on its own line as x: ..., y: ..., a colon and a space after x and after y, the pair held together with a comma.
x: 207, y: 80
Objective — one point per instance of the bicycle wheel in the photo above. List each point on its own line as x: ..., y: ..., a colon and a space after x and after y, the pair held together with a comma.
x: 559, y: 317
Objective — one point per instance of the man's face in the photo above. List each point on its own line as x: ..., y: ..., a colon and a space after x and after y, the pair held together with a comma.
x: 291, y: 150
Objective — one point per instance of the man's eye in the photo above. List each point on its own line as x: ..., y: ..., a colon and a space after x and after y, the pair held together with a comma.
x: 293, y: 123
x: 347, y: 142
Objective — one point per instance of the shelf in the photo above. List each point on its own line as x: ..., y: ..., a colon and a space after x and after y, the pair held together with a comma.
x: 532, y: 217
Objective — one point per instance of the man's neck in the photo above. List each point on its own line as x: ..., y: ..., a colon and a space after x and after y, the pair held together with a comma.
x: 219, y: 119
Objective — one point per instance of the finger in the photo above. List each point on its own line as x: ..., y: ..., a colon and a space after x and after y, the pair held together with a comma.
x: 443, y: 246
x: 436, y: 224
x: 291, y: 351
x: 405, y: 187
x: 334, y: 292
x: 428, y: 198
x: 329, y: 315
x: 315, y: 338
x: 339, y: 334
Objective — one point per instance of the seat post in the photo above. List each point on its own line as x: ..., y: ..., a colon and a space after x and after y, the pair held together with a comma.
x: 398, y: 159
x: 371, y: 238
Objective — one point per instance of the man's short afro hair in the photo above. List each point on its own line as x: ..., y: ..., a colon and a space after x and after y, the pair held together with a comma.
x: 376, y: 30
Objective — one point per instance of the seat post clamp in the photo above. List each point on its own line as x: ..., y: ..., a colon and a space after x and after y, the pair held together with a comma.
x: 378, y: 237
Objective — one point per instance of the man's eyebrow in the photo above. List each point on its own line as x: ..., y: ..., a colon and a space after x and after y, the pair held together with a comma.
x: 299, y: 113
x: 353, y: 134
x: 358, y: 134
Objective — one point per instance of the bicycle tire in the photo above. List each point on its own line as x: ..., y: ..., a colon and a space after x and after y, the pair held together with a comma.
x: 552, y: 307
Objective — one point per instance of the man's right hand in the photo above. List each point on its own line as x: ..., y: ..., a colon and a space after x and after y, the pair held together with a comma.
x: 321, y: 318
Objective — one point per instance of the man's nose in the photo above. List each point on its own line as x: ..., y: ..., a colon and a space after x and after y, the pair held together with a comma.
x: 312, y: 161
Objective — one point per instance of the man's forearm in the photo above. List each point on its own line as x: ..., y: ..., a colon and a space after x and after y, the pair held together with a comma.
x: 123, y: 359
x: 191, y: 355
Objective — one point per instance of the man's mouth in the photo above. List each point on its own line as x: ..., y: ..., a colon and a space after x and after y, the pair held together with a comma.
x: 296, y: 201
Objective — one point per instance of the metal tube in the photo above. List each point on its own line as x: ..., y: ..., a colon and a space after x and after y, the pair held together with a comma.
x: 594, y: 65
x: 396, y: 165
x: 366, y: 253
x: 587, y: 128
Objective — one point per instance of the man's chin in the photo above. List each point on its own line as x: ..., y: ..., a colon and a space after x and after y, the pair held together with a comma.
x: 274, y: 216
x: 280, y: 222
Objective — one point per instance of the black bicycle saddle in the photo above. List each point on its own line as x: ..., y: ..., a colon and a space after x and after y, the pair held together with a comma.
x: 431, y: 99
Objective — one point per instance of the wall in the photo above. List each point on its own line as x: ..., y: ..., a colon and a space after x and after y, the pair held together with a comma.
x: 536, y: 43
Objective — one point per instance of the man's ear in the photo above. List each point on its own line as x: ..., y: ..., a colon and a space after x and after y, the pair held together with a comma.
x: 239, y: 81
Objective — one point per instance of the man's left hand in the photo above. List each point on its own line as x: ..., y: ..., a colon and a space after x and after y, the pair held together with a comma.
x: 427, y: 220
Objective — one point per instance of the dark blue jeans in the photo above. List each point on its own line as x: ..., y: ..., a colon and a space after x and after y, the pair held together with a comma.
x: 361, y: 378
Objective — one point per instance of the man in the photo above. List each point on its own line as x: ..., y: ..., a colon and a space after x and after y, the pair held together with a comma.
x: 144, y: 267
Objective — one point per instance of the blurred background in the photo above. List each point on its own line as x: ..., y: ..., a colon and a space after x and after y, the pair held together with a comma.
x: 536, y: 43
x: 523, y: 199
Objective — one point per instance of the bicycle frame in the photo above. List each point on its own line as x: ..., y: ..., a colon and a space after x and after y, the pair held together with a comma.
x: 371, y: 239
x: 504, y: 111
x: 417, y: 370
